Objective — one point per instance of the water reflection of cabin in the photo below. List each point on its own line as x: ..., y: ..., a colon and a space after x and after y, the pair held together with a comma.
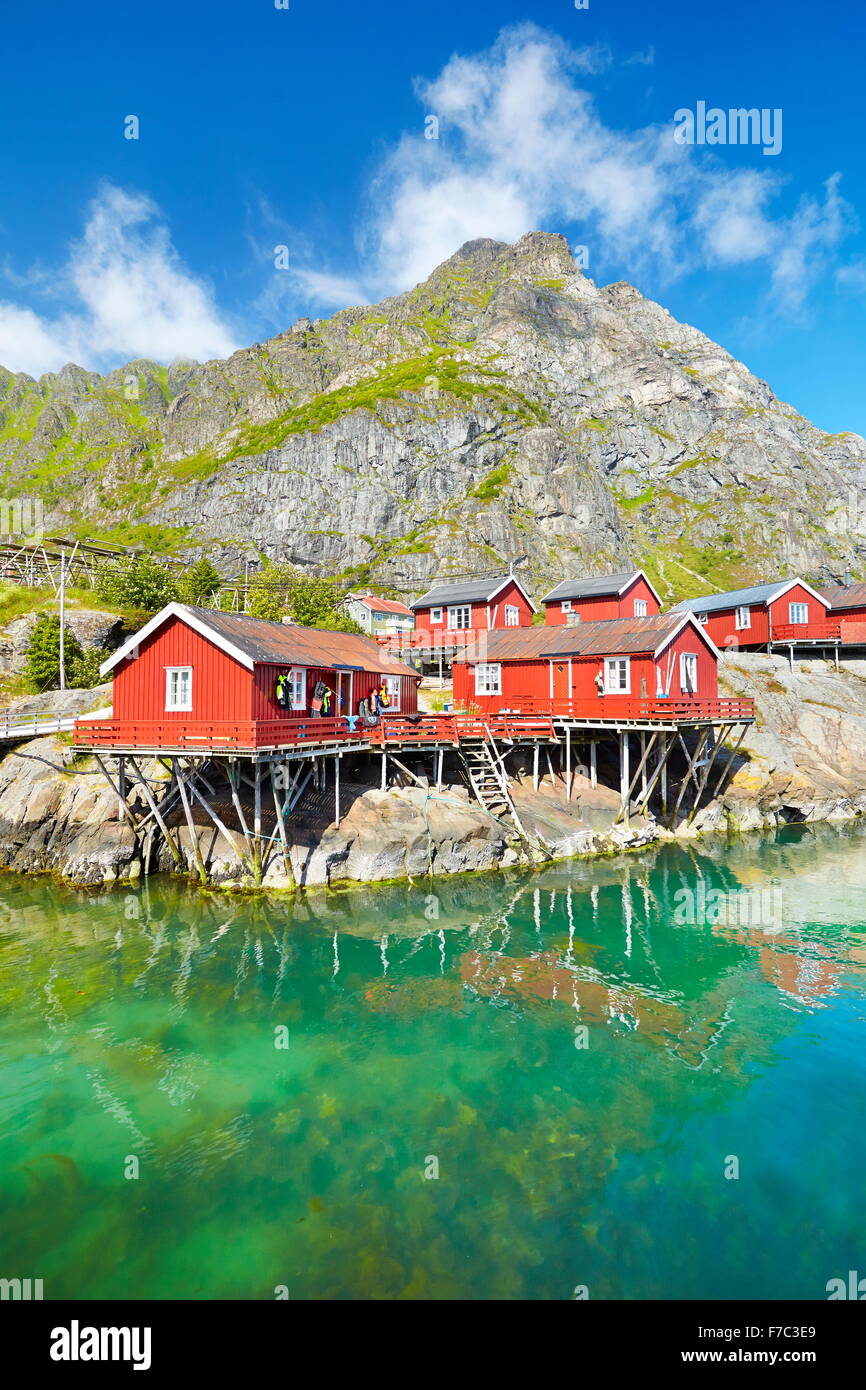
x: 194, y: 666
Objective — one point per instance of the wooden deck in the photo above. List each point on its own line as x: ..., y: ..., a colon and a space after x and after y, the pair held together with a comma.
x: 529, y: 721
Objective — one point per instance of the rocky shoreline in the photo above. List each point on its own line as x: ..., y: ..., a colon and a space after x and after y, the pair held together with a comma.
x: 804, y: 761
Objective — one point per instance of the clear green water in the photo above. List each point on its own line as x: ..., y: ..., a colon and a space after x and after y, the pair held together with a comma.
x: 144, y: 1025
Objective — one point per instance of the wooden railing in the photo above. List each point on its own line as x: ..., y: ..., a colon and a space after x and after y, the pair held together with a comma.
x: 625, y: 708
x: 529, y: 718
x: 805, y: 632
x: 15, y: 726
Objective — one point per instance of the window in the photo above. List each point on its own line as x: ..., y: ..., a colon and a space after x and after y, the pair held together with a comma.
x: 616, y: 675
x: 743, y: 618
x: 392, y: 686
x: 701, y: 617
x: 689, y: 673
x: 798, y: 612
x: 178, y: 687
x: 488, y: 678
x: 459, y: 618
x: 379, y: 617
x: 298, y: 687
x: 435, y: 615
x: 640, y: 607
x: 512, y: 616
x: 566, y: 605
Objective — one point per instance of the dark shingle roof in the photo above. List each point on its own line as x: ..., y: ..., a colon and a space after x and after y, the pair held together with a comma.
x: 597, y: 587
x: 287, y: 643
x: 471, y: 591
x: 735, y: 598
x: 617, y: 635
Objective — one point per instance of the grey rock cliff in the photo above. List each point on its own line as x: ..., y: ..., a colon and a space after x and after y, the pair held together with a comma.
x: 506, y: 408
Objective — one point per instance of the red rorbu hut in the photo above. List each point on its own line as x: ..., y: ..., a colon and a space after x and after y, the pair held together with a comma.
x: 625, y: 595
x: 667, y: 658
x: 195, y: 671
x: 788, y: 610
x: 477, y: 605
x: 847, y: 606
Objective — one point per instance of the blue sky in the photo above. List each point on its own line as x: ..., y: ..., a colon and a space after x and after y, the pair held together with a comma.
x: 305, y: 127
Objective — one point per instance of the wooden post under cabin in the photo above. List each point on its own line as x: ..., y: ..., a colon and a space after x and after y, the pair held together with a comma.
x: 337, y: 789
x: 568, y: 762
x: 535, y: 768
x: 384, y: 770
x: 593, y: 764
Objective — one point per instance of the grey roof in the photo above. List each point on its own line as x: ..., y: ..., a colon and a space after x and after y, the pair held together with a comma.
x: 472, y: 591
x: 596, y: 587
x: 734, y: 598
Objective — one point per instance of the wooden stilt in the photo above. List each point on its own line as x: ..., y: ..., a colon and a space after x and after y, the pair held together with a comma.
x: 440, y: 759
x: 337, y: 790
x: 723, y: 733
x: 624, y: 766
x: 257, y: 822
x: 568, y: 762
x: 690, y: 770
x: 281, y: 825
x: 121, y: 802
x: 157, y: 814
x: 221, y: 827
x: 535, y: 768
x: 665, y: 753
x: 640, y: 774
x: 384, y: 769
x: 196, y: 852
x: 121, y: 784
x: 593, y: 764
x: 643, y: 752
x: 730, y: 763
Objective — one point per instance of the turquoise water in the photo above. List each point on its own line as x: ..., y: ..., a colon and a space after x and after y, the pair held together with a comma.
x: 584, y: 1067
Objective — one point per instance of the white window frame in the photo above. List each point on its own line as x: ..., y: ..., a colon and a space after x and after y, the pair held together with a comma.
x: 565, y: 605
x: 640, y: 608
x: 435, y: 616
x: 298, y: 687
x: 743, y: 618
x: 172, y: 704
x: 512, y: 615
x: 453, y: 611
x: 611, y: 662
x: 688, y: 657
x: 485, y: 682
x: 392, y: 687
x: 798, y: 608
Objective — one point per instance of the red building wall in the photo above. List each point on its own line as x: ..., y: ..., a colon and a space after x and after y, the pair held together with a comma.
x: 363, y: 684
x: 221, y: 687
x: 534, y: 680
x: 605, y: 606
x: 511, y: 595
x: 721, y: 625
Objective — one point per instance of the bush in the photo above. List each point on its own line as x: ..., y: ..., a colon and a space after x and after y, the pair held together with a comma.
x: 140, y: 582
x: 279, y: 590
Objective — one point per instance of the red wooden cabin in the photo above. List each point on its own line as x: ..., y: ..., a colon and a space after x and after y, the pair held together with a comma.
x: 788, y: 610
x: 449, y: 612
x: 191, y: 669
x: 591, y: 668
x: 847, y: 606
x: 625, y: 595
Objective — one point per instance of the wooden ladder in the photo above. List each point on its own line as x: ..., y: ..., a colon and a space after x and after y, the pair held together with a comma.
x: 489, y: 784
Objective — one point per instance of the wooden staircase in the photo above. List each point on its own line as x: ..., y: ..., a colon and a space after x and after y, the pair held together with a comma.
x: 489, y: 782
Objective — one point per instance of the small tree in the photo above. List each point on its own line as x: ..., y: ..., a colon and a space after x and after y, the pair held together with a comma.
x: 43, y: 657
x: 200, y: 582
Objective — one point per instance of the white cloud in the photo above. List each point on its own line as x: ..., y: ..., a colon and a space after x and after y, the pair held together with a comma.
x: 129, y: 296
x: 522, y: 145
